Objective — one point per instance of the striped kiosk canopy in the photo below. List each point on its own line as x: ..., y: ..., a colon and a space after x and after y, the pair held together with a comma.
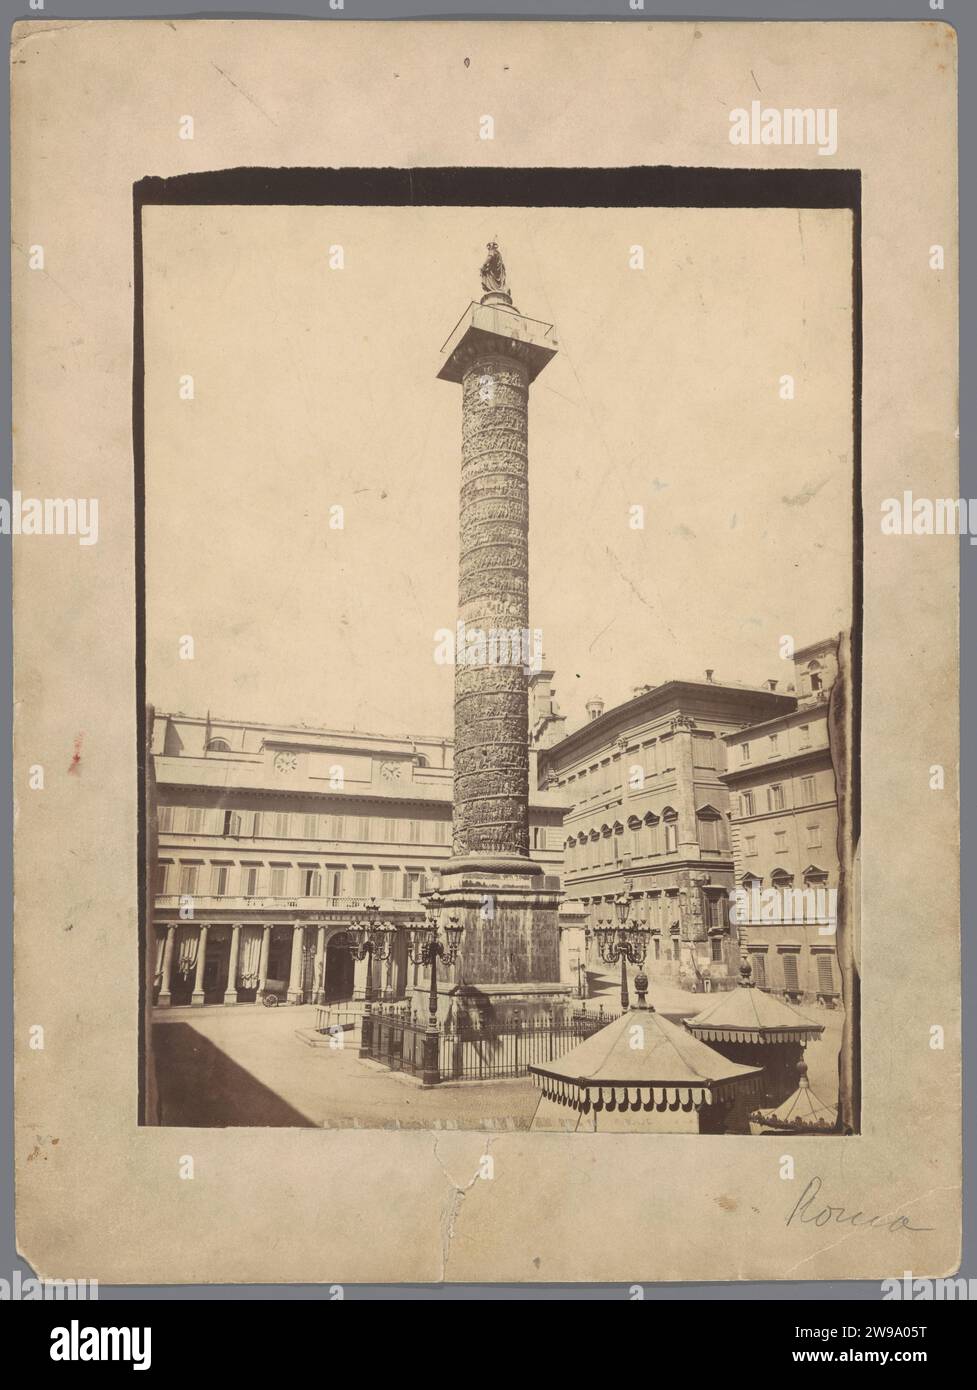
x: 640, y: 1072
x: 749, y: 1015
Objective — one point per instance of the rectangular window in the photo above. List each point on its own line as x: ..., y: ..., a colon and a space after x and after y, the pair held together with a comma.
x: 704, y: 751
x: 388, y: 883
x: 337, y: 828
x: 250, y: 876
x: 188, y: 878
x: 804, y: 735
x: 219, y: 880
x: 336, y: 881
x: 390, y: 830
x: 713, y: 913
x: 311, y: 827
x: 814, y: 837
x: 279, y: 880
x: 312, y: 883
x: 671, y: 837
x: 162, y: 874
x: 780, y: 841
x: 773, y: 743
x: 808, y: 795
x: 367, y: 827
x: 195, y: 820
x: 759, y: 963
x: 412, y: 883
x: 744, y: 752
x: 775, y: 797
x: 257, y: 824
x: 441, y: 832
x: 709, y: 834
x: 747, y: 804
x: 165, y: 819
x: 791, y: 983
x: 717, y: 948
x: 281, y: 825
x: 749, y: 844
x: 414, y: 829
x: 826, y: 980
x: 361, y: 883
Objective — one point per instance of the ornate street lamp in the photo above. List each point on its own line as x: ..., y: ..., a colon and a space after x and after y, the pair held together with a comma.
x: 367, y: 937
x: 627, y: 941
x: 424, y: 948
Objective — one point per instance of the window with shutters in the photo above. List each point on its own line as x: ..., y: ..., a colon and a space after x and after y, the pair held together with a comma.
x: 162, y: 875
x: 279, y: 880
x: 412, y: 883
x: 361, y: 883
x: 747, y: 804
x: 336, y: 883
x: 312, y: 883
x: 311, y: 827
x: 337, y: 827
x: 814, y: 837
x: 717, y: 948
x: 414, y: 829
x: 165, y: 818
x: 188, y: 878
x: 709, y: 832
x: 250, y: 875
x: 390, y: 830
x: 194, y: 820
x: 388, y: 883
x: 775, y: 797
x: 826, y: 979
x: 749, y: 845
x: 791, y: 983
x: 281, y: 825
x: 671, y: 837
x: 759, y: 964
x: 219, y: 880
x: 808, y: 794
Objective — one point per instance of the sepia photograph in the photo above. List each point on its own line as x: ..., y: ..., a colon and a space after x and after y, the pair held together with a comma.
x: 499, y: 657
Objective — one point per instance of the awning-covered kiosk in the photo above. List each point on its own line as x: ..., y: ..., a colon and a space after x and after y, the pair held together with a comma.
x: 757, y: 1029
x: 801, y: 1113
x: 644, y: 1074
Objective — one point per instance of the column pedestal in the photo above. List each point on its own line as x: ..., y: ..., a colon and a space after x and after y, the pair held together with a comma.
x: 509, y: 958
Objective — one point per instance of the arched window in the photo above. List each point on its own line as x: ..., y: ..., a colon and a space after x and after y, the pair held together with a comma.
x: 670, y: 822
x: 218, y: 745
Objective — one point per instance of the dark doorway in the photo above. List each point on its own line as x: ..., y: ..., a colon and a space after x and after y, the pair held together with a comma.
x: 337, y: 980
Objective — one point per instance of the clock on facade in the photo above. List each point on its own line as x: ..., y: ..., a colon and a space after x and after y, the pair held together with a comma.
x: 286, y: 762
x: 390, y: 772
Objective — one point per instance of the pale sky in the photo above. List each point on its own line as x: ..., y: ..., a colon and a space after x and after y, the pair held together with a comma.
x: 315, y: 387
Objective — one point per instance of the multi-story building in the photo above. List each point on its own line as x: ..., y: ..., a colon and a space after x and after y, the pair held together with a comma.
x: 784, y: 828
x: 272, y: 838
x: 650, y: 808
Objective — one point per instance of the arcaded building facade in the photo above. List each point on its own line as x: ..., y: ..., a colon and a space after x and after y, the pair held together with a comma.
x: 270, y: 841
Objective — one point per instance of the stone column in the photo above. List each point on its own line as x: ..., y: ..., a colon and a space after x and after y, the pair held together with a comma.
x: 295, y: 976
x: 230, y: 993
x: 320, y: 965
x: 263, y: 958
x: 510, y: 950
x: 165, y: 995
x: 197, y: 997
